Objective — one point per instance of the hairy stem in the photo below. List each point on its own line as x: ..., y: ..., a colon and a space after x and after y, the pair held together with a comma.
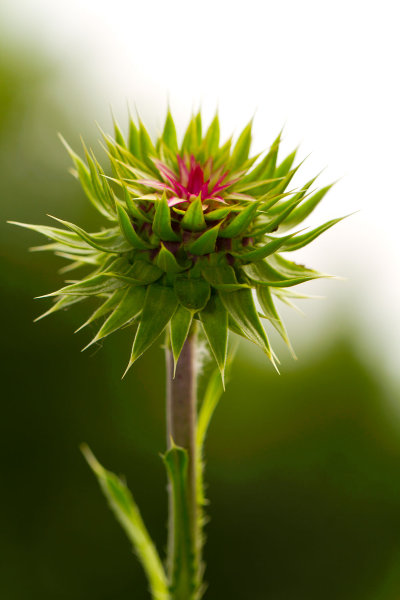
x: 181, y: 431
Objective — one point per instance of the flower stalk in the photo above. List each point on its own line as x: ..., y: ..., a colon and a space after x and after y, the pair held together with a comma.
x: 181, y: 409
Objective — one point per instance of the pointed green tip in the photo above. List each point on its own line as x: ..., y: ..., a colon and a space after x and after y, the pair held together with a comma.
x: 222, y: 372
x: 93, y: 341
x: 132, y: 360
x: 91, y: 459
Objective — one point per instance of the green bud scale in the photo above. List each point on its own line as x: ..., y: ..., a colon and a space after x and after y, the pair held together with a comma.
x: 193, y: 231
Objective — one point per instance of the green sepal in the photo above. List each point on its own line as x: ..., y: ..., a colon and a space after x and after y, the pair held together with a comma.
x: 193, y: 293
x: 118, y: 135
x: 108, y: 305
x: 193, y: 219
x: 159, y: 306
x: 166, y: 261
x: 180, y: 326
x: 129, y: 232
x: 283, y: 169
x: 240, y: 153
x: 218, y: 213
x: 183, y: 571
x: 240, y: 223
x: 256, y: 254
x: 240, y: 305
x: 300, y: 241
x: 169, y: 133
x: 113, y: 243
x: 222, y: 155
x: 307, y: 207
x: 134, y: 142
x: 214, y: 319
x: 140, y: 273
x: 85, y: 179
x: 273, y: 224
x: 133, y: 208
x: 127, y: 513
x: 265, y: 169
x: 211, y: 139
x: 60, y: 304
x: 99, y: 185
x: 91, y: 286
x: 162, y: 221
x: 222, y: 277
x: 129, y: 307
x: 205, y: 244
x: 263, y: 273
x: 191, y: 139
x: 54, y: 233
x: 147, y: 148
x: 267, y: 304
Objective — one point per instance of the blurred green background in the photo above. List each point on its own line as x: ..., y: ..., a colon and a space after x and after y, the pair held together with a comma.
x: 303, y: 469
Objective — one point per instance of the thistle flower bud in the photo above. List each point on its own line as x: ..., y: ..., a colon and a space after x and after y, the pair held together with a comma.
x: 192, y: 230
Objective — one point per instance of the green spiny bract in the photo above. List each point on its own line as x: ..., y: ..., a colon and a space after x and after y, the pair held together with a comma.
x: 192, y: 230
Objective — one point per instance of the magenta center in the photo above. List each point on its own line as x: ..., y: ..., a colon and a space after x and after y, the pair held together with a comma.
x: 192, y: 181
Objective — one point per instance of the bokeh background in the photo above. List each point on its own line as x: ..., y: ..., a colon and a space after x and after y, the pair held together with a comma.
x: 303, y: 468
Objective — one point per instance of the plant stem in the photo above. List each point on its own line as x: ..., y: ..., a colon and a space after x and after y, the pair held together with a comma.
x: 181, y: 431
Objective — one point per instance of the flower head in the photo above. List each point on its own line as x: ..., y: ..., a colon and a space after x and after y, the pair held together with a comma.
x: 193, y: 230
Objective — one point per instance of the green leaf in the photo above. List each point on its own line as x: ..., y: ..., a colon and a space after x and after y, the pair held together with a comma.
x: 162, y: 221
x: 299, y: 241
x: 240, y: 305
x: 127, y: 513
x: 240, y: 223
x: 307, y: 207
x: 205, y: 244
x: 214, y: 319
x: 210, y: 401
x: 183, y: 568
x: 159, y: 306
x: 180, y: 326
x: 129, y: 307
x: 267, y: 304
x: 129, y: 232
x: 167, y: 261
x: 193, y: 294
x: 169, y: 133
x: 194, y: 217
x: 211, y: 139
x: 241, y: 150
